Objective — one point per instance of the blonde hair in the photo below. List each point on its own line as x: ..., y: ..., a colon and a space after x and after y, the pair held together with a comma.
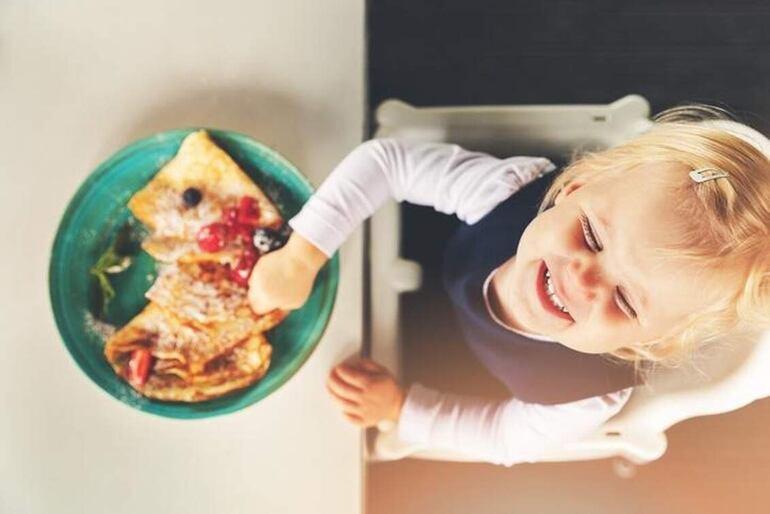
x: 727, y: 219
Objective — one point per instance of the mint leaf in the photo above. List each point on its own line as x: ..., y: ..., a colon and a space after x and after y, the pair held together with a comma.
x: 113, y: 260
x: 108, y: 292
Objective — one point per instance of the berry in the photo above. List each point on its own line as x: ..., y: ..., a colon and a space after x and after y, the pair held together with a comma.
x: 230, y: 216
x: 248, y: 258
x: 242, y: 271
x: 213, y: 237
x: 240, y: 276
x: 192, y: 196
x: 248, y: 211
x: 139, y: 367
x: 284, y: 232
x: 264, y: 240
x: 245, y: 233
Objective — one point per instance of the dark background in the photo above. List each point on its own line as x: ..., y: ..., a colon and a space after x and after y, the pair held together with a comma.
x: 432, y: 52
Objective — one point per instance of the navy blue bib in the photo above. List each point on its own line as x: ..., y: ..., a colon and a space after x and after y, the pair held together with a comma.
x: 533, y: 371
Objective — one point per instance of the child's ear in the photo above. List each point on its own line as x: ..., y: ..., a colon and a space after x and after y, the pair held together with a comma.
x: 567, y: 190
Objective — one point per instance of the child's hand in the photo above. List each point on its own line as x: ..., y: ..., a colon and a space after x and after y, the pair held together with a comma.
x: 284, y: 278
x: 366, y: 392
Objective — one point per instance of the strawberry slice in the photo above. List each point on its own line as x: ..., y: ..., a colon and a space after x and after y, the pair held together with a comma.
x: 139, y: 367
x: 248, y: 211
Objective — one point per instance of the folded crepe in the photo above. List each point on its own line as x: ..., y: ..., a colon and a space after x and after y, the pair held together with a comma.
x: 173, y: 224
x: 177, y: 372
x: 202, y: 292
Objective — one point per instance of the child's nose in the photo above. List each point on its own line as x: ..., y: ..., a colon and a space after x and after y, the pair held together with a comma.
x: 586, y: 279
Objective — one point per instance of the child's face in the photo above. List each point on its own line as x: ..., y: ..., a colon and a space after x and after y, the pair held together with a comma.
x: 595, y: 286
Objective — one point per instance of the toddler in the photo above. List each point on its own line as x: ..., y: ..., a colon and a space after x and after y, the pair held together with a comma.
x: 568, y: 284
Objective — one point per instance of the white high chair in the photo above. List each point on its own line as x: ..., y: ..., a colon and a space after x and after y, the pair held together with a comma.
x: 731, y: 375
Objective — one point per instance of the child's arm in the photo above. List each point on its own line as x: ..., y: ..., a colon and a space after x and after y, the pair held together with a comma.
x: 501, y: 432
x: 451, y: 179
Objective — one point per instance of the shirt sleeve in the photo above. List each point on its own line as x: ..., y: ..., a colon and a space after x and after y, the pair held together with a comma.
x: 501, y: 432
x: 449, y: 178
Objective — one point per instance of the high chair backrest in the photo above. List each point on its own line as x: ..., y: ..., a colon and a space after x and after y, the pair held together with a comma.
x: 726, y: 375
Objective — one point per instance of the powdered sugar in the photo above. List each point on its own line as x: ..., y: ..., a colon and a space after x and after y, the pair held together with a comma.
x: 175, y: 219
x: 98, y: 327
x: 197, y: 294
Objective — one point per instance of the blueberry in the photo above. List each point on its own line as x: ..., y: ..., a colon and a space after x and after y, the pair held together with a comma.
x: 267, y: 240
x: 284, y: 232
x: 192, y: 196
x: 264, y: 239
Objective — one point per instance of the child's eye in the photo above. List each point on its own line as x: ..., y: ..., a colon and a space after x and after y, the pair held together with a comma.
x: 588, y: 235
x: 623, y: 304
x: 593, y: 244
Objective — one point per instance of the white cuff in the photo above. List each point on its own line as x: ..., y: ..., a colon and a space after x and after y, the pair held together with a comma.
x: 312, y: 224
x: 417, y: 413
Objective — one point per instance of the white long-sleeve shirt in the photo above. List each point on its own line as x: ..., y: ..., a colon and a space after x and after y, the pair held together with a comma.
x: 469, y: 184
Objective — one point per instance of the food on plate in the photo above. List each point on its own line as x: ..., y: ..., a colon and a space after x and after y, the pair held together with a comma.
x: 168, y: 358
x: 201, y: 205
x: 203, y: 292
x: 208, y: 225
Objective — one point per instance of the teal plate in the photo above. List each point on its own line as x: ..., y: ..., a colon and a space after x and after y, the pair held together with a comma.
x: 99, y: 210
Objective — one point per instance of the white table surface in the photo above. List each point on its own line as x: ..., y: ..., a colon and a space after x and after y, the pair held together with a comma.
x: 78, y: 82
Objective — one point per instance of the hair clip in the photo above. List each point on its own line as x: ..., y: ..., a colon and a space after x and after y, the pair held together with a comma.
x: 705, y: 174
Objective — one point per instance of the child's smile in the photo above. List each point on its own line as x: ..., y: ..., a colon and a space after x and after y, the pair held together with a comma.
x: 549, y: 293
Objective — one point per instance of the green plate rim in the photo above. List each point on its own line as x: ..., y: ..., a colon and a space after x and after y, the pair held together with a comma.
x: 156, y: 407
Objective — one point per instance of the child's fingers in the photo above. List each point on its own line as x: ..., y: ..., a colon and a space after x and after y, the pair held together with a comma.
x: 343, y: 403
x: 370, y: 365
x: 339, y: 387
x: 356, y: 420
x: 365, y: 365
x: 362, y: 363
x: 336, y: 375
x: 353, y: 376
